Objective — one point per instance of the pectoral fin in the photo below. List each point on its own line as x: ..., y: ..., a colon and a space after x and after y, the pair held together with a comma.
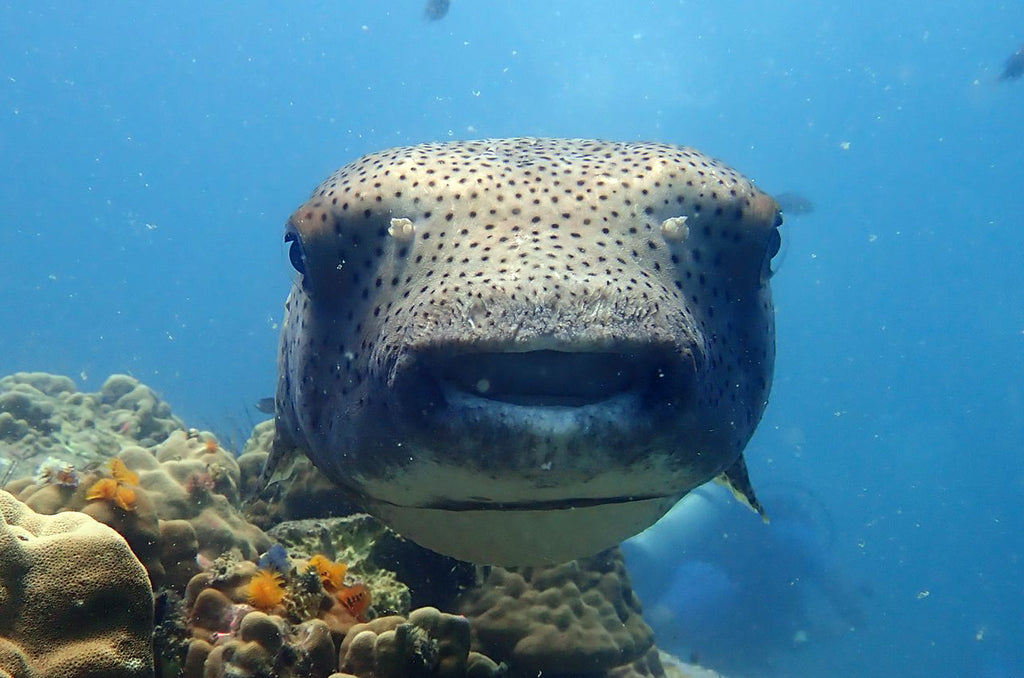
x: 280, y: 464
x: 738, y: 481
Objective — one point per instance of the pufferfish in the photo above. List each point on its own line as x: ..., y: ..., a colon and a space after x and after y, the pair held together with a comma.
x: 523, y: 351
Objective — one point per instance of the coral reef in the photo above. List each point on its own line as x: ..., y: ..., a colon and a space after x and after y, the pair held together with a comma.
x: 324, y: 592
x: 295, y: 632
x: 577, y: 617
x: 44, y: 415
x: 429, y: 643
x: 266, y: 646
x: 182, y: 504
x: 647, y: 666
x: 74, y: 600
x: 350, y: 540
x: 232, y: 587
x: 303, y: 491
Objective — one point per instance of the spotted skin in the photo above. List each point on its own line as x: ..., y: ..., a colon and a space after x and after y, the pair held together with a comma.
x: 525, y: 350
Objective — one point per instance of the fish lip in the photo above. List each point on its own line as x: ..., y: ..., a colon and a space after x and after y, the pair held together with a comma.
x: 484, y: 504
x: 566, y: 380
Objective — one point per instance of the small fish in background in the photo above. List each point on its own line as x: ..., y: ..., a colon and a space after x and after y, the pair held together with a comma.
x: 794, y: 204
x: 265, y: 405
x: 1014, y: 67
x: 436, y: 9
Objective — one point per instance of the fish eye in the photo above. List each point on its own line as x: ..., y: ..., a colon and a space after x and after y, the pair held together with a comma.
x: 295, y: 254
x: 772, y: 264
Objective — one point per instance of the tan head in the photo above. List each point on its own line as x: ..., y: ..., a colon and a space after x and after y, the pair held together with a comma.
x: 526, y: 350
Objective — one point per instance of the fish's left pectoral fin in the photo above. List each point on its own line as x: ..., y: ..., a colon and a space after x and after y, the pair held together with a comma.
x: 737, y: 480
x: 280, y: 466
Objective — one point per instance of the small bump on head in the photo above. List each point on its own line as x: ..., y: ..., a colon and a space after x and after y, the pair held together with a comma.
x: 674, y: 229
x: 402, y: 229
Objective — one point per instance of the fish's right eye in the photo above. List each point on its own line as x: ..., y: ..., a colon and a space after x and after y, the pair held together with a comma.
x: 295, y: 253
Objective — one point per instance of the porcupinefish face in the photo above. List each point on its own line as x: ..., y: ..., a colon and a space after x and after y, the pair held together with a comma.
x: 519, y: 351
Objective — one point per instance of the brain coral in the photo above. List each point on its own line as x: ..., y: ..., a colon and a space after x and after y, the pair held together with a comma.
x: 577, y: 617
x: 74, y: 601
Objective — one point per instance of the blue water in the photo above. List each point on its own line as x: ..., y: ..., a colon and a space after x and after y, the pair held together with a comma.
x: 151, y: 152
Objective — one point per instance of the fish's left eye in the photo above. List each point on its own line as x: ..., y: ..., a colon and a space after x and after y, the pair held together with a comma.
x: 295, y: 253
x: 771, y: 265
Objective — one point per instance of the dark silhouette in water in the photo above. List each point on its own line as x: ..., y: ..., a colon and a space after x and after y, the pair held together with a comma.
x: 793, y: 204
x: 1014, y: 67
x: 719, y: 584
x: 436, y: 9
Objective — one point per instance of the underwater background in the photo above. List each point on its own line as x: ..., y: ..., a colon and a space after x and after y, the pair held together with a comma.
x: 151, y: 154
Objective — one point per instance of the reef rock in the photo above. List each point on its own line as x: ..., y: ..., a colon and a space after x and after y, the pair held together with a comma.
x: 172, y: 503
x: 577, y: 617
x: 296, y: 493
x: 266, y: 647
x: 74, y: 600
x: 351, y: 540
x: 429, y: 644
x: 44, y: 415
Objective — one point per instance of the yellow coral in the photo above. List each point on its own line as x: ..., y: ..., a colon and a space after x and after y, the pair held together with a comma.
x: 110, y: 489
x: 266, y: 589
x: 116, y: 487
x: 119, y: 470
x: 332, y: 574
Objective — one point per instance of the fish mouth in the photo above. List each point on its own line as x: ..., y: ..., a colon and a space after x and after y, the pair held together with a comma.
x: 545, y: 378
x: 554, y: 384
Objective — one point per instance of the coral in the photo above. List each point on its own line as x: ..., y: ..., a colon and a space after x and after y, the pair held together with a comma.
x: 332, y: 574
x: 44, y: 415
x: 348, y: 540
x: 118, y: 488
x: 266, y: 590
x: 265, y: 646
x: 355, y: 597
x: 303, y: 493
x: 121, y: 458
x: 220, y: 600
x: 647, y: 666
x: 577, y: 617
x: 429, y: 643
x: 97, y: 497
x: 673, y: 667
x: 147, y: 492
x: 214, y: 597
x: 75, y: 601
